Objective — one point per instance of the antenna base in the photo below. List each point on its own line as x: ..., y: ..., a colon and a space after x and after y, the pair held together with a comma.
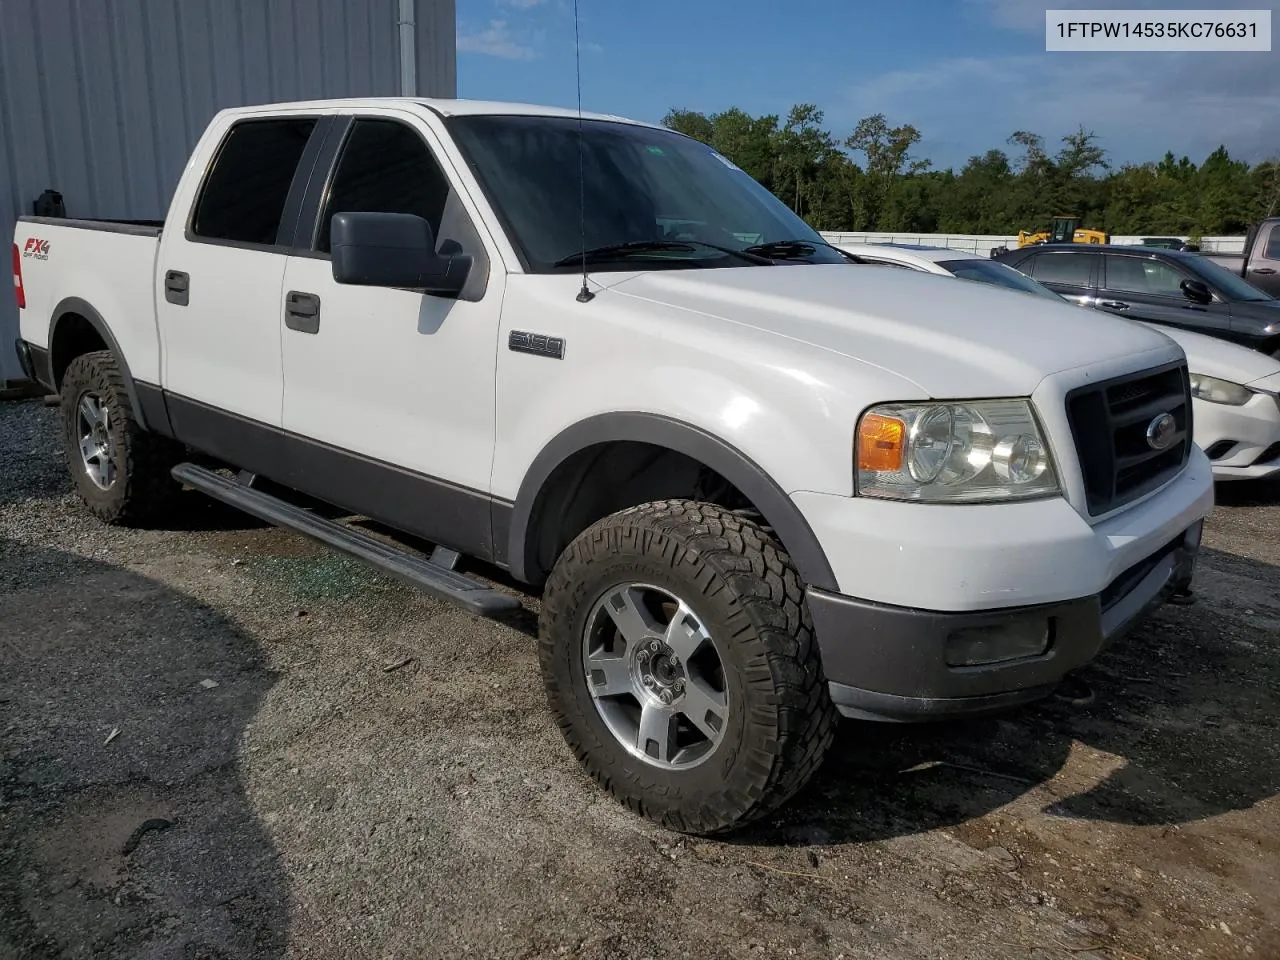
x: 585, y: 295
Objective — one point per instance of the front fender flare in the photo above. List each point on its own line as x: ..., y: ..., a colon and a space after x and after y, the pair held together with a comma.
x: 778, y: 510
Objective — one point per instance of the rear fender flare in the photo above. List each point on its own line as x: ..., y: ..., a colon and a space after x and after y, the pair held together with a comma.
x: 74, y: 306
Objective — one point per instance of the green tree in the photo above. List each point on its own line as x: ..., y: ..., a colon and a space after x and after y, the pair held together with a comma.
x: 803, y: 146
x: 814, y: 172
x: 888, y: 157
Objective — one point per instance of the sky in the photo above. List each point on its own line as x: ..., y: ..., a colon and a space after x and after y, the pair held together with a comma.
x: 966, y: 73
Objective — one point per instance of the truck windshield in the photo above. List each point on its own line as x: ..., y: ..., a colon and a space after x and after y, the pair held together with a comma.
x: 1231, y: 286
x: 999, y: 274
x: 647, y: 187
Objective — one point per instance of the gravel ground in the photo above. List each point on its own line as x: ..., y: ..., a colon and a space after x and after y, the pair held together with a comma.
x: 222, y: 741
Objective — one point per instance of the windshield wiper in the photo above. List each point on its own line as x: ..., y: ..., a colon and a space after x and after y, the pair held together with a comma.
x: 788, y: 249
x: 619, y: 250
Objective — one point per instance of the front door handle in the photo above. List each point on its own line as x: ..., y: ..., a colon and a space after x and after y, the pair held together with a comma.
x: 1262, y: 270
x: 177, y: 287
x: 1113, y: 304
x: 302, y: 311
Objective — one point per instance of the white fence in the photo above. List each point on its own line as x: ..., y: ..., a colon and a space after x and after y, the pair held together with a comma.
x: 978, y: 243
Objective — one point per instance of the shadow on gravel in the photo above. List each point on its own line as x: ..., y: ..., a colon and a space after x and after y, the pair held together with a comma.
x: 1187, y: 705
x: 144, y: 845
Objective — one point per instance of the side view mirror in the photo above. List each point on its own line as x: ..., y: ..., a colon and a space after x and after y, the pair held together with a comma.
x: 1196, y: 291
x: 1191, y: 248
x: 393, y: 250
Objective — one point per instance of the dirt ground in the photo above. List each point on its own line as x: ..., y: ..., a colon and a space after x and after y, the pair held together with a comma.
x: 222, y: 741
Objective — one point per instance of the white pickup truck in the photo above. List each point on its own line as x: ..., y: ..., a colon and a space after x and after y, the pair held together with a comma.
x: 759, y: 486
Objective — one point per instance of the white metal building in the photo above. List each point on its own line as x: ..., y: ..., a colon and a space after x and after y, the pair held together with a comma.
x: 101, y: 100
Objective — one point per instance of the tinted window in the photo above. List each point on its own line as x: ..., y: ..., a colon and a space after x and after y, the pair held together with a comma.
x: 1069, y: 268
x: 245, y: 192
x: 1231, y: 285
x: 1148, y: 277
x: 385, y: 168
x: 1273, y: 244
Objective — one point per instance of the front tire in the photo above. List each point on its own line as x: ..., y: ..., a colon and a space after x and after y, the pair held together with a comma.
x: 680, y: 663
x: 119, y: 469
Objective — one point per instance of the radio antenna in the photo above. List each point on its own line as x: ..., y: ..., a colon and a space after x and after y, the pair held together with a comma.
x: 584, y: 295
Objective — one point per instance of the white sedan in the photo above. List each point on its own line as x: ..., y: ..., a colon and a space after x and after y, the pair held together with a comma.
x: 1235, y: 391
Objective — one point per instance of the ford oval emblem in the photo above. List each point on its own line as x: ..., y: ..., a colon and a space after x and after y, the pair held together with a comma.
x: 1160, y: 431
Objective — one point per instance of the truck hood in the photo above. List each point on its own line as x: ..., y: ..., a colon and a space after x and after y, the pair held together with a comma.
x: 1221, y: 358
x: 952, y: 340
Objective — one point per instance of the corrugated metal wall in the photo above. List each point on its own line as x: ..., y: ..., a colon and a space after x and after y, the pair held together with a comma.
x: 102, y: 100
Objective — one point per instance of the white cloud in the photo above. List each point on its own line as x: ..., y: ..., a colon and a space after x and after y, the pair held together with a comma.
x: 1139, y: 104
x: 497, y: 40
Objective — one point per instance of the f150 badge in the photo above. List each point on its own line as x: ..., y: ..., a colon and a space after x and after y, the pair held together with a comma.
x: 539, y: 344
x: 36, y: 248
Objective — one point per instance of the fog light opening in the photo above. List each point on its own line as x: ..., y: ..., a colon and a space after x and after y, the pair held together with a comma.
x: 999, y: 642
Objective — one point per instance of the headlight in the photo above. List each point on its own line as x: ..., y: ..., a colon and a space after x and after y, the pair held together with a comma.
x: 1219, y: 391
x: 953, y: 452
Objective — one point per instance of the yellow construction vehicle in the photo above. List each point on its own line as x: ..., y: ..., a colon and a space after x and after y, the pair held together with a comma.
x: 1063, y: 230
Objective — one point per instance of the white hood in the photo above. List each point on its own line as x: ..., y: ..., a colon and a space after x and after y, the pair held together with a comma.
x: 1221, y: 359
x: 953, y: 340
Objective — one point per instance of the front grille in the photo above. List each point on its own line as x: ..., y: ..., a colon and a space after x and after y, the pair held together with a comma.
x: 1109, y: 422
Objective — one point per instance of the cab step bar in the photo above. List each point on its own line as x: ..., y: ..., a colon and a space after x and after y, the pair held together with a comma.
x: 433, y: 578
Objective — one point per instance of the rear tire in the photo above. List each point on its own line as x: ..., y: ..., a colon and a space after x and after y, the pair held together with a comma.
x: 722, y: 625
x: 119, y: 469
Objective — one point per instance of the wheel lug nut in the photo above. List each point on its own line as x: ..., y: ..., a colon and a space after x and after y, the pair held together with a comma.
x: 643, y: 655
x: 666, y: 696
x: 648, y: 680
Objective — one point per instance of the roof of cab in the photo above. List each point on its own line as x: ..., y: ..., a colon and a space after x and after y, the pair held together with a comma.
x: 442, y: 107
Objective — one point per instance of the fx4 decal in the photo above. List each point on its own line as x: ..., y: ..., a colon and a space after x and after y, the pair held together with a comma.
x: 36, y: 249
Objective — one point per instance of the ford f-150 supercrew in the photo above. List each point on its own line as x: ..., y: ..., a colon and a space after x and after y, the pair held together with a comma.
x: 758, y: 486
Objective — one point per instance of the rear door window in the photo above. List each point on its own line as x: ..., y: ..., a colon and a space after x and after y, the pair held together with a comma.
x: 243, y: 196
x: 1067, y: 268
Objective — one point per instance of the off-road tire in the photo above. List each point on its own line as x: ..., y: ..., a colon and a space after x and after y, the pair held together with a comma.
x: 743, y: 587
x: 143, y: 492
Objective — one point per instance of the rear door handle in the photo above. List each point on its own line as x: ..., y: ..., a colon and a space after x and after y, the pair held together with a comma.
x: 1264, y: 270
x: 1113, y: 304
x: 302, y: 311
x: 177, y: 287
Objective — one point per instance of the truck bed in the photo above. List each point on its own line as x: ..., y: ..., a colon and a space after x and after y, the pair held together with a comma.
x: 1233, y: 263
x: 100, y: 270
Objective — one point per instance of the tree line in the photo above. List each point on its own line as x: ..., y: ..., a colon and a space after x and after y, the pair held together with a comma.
x: 873, y: 179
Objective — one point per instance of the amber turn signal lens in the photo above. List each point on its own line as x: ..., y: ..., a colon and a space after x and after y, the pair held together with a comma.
x: 882, y: 442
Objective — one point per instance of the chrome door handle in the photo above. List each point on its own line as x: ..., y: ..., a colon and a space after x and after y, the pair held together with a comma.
x: 1113, y: 304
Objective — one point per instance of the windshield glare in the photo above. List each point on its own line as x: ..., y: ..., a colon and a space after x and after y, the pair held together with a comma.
x: 1233, y: 287
x: 999, y: 274
x: 639, y: 184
